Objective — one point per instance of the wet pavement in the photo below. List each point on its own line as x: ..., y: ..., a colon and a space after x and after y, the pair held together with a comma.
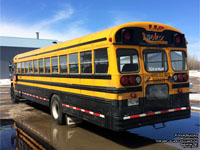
x: 37, y: 120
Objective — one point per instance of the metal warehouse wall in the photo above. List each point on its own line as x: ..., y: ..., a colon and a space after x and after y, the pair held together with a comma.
x: 6, y: 55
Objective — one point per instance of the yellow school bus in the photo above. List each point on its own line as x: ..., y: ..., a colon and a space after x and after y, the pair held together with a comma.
x: 128, y: 76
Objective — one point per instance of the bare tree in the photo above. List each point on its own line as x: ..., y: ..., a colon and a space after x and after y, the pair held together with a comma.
x: 194, y: 63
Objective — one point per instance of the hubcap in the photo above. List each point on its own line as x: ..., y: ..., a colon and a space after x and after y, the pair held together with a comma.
x: 55, y: 108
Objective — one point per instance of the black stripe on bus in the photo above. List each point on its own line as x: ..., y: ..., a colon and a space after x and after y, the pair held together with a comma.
x: 180, y: 85
x: 96, y: 76
x: 68, y: 47
x: 88, y: 87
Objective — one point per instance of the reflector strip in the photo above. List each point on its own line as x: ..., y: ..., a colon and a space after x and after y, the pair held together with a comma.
x: 31, y: 95
x: 85, y: 111
x: 155, y: 113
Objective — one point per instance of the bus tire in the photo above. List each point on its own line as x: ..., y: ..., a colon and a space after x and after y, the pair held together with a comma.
x: 57, y: 111
x: 14, y: 98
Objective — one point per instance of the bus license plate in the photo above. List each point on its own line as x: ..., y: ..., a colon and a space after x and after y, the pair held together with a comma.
x: 133, y: 101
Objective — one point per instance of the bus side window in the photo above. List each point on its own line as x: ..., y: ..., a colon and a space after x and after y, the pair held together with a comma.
x: 86, y: 62
x: 26, y: 67
x: 22, y: 67
x: 63, y: 64
x: 30, y: 66
x: 73, y: 63
x: 47, y: 65
x: 54, y: 64
x: 41, y: 70
x: 18, y: 67
x: 101, y: 61
x: 35, y: 66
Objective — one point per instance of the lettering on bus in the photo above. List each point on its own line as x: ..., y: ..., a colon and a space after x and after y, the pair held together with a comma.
x: 154, y: 37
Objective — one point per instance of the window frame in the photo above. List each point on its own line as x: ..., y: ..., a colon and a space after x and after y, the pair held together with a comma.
x: 154, y: 51
x: 138, y: 61
x: 30, y: 62
x: 26, y: 62
x: 74, y: 63
x: 34, y: 66
x: 42, y: 66
x: 91, y: 62
x: 22, y: 67
x: 52, y: 65
x: 19, y: 67
x: 66, y: 64
x: 99, y: 49
x: 186, y: 61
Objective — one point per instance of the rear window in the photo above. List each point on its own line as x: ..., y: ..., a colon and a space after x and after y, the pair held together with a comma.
x: 127, y: 60
x: 178, y: 60
x: 155, y: 60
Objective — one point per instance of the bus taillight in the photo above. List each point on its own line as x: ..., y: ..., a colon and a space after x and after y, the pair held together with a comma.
x: 177, y: 38
x: 130, y: 80
x: 127, y: 35
x: 185, y: 77
x: 124, y: 81
x: 134, y: 95
x: 138, y: 79
x: 180, y: 77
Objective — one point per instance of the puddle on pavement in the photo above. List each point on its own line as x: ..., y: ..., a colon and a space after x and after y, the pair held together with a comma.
x: 6, y: 132
x: 184, y: 126
x: 43, y: 134
x: 37, y: 133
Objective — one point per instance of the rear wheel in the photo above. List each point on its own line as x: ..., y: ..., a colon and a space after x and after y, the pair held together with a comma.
x: 56, y: 110
x: 14, y: 98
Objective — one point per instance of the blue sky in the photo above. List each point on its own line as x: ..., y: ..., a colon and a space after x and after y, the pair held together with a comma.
x: 68, y: 19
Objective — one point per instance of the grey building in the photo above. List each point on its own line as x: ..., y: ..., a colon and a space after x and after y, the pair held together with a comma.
x: 11, y: 46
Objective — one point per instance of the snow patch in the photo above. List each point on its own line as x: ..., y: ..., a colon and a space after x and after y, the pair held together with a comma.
x: 4, y: 82
x: 194, y: 73
x: 195, y: 97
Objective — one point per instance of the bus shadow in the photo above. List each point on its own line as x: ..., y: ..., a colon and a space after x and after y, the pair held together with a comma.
x: 37, y: 106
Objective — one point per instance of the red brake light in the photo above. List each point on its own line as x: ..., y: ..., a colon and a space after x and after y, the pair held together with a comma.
x: 124, y: 80
x: 127, y: 35
x: 134, y: 95
x: 160, y: 28
x: 185, y: 77
x: 177, y: 39
x: 180, y: 90
x: 132, y: 80
x: 180, y: 77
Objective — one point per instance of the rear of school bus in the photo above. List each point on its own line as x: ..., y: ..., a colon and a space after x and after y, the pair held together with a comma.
x: 152, y: 73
